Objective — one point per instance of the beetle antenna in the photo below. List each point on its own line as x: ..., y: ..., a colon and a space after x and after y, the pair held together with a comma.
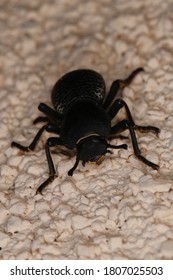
x: 70, y: 172
x: 123, y: 146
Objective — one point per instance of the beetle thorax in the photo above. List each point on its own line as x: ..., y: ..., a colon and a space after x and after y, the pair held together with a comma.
x: 83, y: 120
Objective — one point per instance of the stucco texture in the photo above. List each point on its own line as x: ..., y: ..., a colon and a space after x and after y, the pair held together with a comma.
x: 121, y: 209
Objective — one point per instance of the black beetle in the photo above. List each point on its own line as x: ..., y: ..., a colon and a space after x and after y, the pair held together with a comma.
x: 82, y: 119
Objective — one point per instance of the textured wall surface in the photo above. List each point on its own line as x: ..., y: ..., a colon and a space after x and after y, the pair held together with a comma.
x: 122, y: 208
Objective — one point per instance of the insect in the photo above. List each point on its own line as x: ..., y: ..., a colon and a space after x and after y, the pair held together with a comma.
x: 82, y: 118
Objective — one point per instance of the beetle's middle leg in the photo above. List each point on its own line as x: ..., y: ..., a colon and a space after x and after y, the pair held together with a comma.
x: 118, y: 104
x: 130, y: 124
x: 48, y: 127
x: 126, y: 124
x: 119, y: 84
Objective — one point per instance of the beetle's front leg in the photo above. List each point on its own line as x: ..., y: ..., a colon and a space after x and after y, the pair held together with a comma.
x: 51, y: 142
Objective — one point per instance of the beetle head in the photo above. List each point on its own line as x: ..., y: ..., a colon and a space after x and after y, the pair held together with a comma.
x: 92, y: 149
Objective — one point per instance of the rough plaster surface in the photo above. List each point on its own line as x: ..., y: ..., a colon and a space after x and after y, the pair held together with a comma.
x: 121, y: 209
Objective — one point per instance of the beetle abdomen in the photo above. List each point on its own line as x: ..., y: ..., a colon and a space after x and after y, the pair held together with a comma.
x: 77, y: 85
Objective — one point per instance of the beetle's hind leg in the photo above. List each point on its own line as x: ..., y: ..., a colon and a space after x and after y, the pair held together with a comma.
x: 119, y: 84
x: 50, y: 113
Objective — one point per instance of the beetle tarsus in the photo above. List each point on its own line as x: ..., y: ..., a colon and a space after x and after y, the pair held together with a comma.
x: 20, y: 147
x: 45, y: 184
x: 145, y: 129
x: 123, y: 146
x: 147, y: 162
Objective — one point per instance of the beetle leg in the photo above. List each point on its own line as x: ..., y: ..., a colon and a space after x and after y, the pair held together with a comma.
x: 48, y: 127
x: 148, y: 128
x: 123, y: 146
x: 126, y: 124
x: 118, y: 104
x: 51, y: 142
x: 52, y: 115
x: 119, y: 84
x: 44, y: 108
x: 33, y: 143
x: 53, y: 128
x: 121, y: 137
x: 40, y: 119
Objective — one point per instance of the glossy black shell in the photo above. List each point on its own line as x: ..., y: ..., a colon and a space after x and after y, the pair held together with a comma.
x: 77, y: 97
x: 75, y: 86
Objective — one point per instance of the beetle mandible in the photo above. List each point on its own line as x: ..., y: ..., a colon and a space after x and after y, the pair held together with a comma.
x: 82, y: 118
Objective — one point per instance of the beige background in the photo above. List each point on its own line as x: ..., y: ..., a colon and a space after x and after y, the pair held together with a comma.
x: 122, y: 208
